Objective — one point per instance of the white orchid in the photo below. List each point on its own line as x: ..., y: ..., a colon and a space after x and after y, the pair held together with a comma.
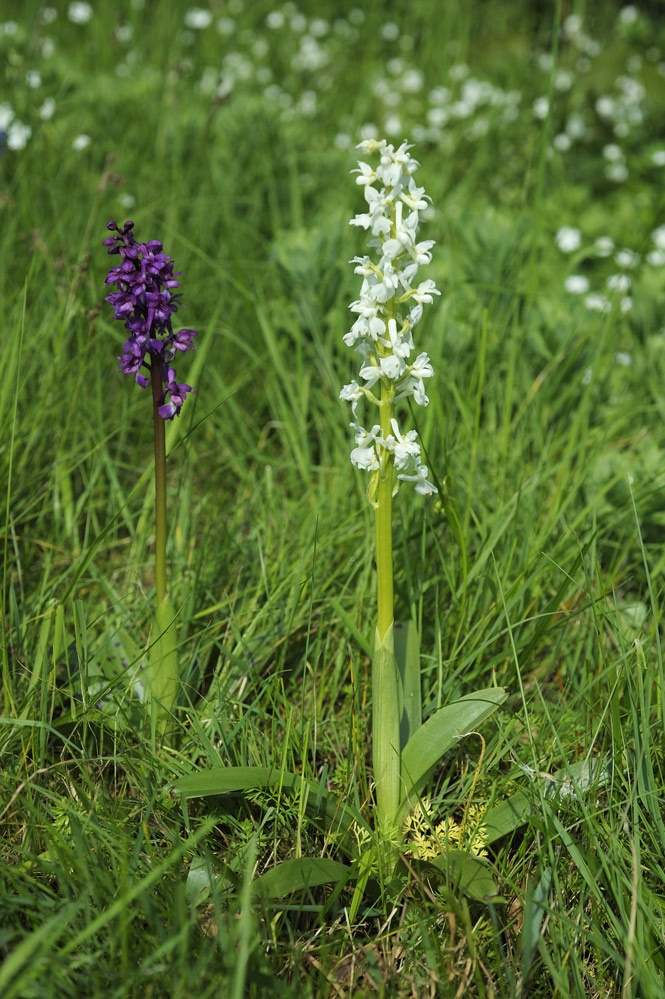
x: 380, y: 333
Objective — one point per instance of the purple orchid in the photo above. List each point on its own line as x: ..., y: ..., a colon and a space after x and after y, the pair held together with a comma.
x: 145, y: 303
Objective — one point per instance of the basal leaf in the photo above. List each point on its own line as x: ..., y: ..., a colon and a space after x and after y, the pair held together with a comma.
x: 303, y: 872
x: 426, y: 747
x: 320, y: 804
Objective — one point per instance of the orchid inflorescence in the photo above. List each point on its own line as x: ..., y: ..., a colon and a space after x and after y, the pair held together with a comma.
x: 382, y: 334
x: 145, y: 303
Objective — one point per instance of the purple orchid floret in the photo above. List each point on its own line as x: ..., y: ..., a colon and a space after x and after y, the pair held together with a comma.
x: 145, y: 303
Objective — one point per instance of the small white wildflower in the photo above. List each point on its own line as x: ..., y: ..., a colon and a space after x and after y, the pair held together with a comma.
x: 587, y: 376
x: 198, y: 19
x: 629, y: 14
x: 389, y: 31
x: 81, y: 142
x: 612, y: 152
x: 597, y: 302
x: 623, y: 358
x: 656, y: 258
x: 605, y: 106
x: 319, y: 27
x: 618, y: 172
x: 33, y: 79
x: 541, y: 107
x: 626, y: 304
x: 459, y: 72
x: 562, y: 142
x: 658, y: 157
x: 604, y: 246
x: 618, y: 282
x: 275, y: 20
x: 18, y: 135
x: 568, y: 239
x: 412, y: 81
x: 658, y: 236
x: 47, y: 110
x: 575, y: 127
x: 563, y: 80
x: 627, y: 258
x: 392, y: 125
x: 577, y: 284
x: 572, y: 25
x: 79, y: 13
x: 6, y: 115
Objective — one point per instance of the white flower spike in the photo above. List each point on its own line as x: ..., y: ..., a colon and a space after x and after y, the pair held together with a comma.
x: 382, y: 331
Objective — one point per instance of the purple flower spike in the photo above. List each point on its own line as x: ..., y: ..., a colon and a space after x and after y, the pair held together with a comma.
x: 145, y: 303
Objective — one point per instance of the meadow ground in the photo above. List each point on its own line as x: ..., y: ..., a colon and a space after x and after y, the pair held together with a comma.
x: 228, y: 133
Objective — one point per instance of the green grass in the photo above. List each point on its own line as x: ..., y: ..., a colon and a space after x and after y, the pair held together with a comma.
x: 541, y: 568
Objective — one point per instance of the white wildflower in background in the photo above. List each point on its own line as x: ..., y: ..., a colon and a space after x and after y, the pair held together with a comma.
x: 79, y: 13
x: 598, y: 303
x: 658, y: 236
x: 198, y: 19
x: 390, y: 304
x: 604, y: 246
x: 577, y: 284
x: 18, y: 135
x: 47, y: 110
x: 81, y: 142
x: 568, y: 239
x: 627, y: 258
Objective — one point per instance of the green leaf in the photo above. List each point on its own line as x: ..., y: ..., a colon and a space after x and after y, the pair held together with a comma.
x: 407, y: 654
x: 164, y: 673
x: 202, y: 878
x: 320, y: 804
x: 568, y: 782
x: 426, y: 747
x: 534, y: 910
x: 470, y: 874
x: 507, y: 816
x: 303, y: 872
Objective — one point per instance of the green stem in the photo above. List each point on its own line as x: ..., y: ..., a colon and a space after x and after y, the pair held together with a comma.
x: 383, y: 521
x: 386, y: 688
x: 160, y: 483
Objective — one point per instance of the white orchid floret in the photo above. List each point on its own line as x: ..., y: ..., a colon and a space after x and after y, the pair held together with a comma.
x: 407, y: 448
x: 422, y: 484
x: 364, y: 455
x: 421, y: 367
x: 424, y: 292
x: 365, y: 266
x: 420, y: 252
x: 366, y: 175
x: 414, y: 199
x: 392, y: 367
x: 370, y: 374
x: 399, y: 341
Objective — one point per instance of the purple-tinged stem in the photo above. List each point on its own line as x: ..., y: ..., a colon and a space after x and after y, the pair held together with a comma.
x: 160, y: 481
